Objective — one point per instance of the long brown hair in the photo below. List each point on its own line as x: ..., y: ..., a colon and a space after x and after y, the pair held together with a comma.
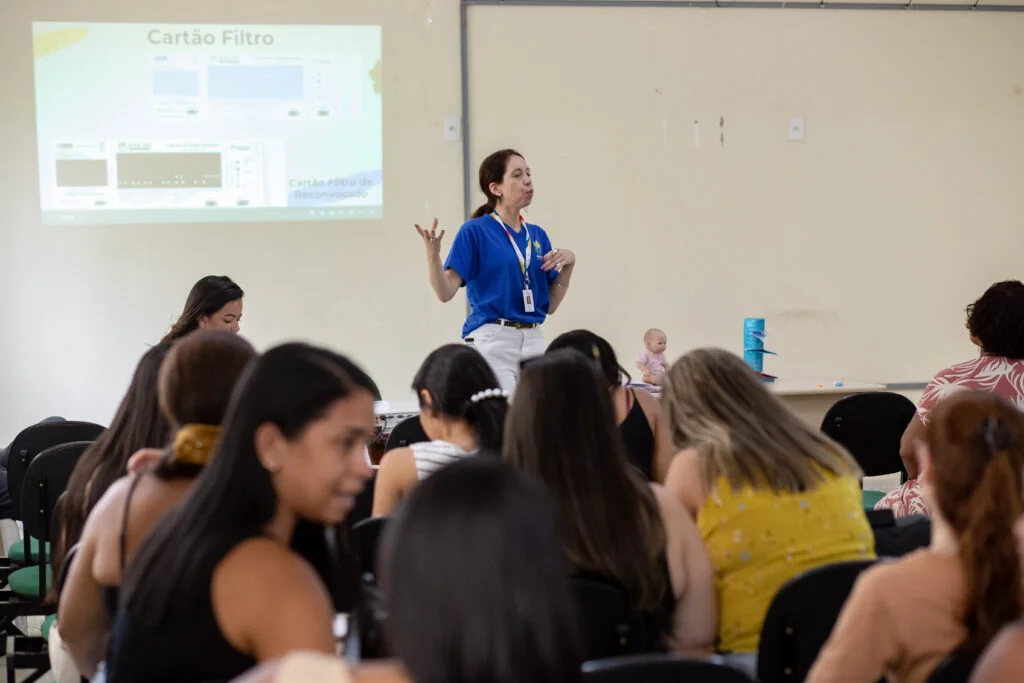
x: 492, y: 170
x: 561, y: 430
x: 976, y: 442
x: 715, y: 403
x: 138, y: 423
x: 207, y: 296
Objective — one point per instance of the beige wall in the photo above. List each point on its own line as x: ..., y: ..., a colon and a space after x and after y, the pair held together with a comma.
x: 89, y: 299
x: 860, y: 245
x: 913, y: 153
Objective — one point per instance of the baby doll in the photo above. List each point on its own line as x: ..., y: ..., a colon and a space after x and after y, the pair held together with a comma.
x: 651, y: 361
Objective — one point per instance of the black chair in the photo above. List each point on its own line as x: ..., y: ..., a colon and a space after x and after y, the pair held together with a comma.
x: 45, y: 482
x: 956, y: 668
x: 661, y: 668
x: 800, y: 620
x: 366, y: 536
x: 902, y: 536
x: 608, y: 622
x: 870, y: 426
x: 363, y: 507
x: 406, y: 433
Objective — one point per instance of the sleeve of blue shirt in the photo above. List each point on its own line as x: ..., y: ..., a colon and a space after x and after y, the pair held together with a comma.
x: 545, y: 245
x: 463, y: 257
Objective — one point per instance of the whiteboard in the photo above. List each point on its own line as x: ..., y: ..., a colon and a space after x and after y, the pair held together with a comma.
x: 659, y: 143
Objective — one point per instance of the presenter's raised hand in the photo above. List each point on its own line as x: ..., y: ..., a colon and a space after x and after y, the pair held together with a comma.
x: 431, y: 239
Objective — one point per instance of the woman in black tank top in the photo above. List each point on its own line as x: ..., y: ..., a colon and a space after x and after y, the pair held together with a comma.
x: 195, y: 383
x: 649, y: 449
x: 224, y: 581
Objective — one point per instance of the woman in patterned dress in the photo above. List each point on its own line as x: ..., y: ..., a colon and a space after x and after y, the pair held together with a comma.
x: 996, y: 325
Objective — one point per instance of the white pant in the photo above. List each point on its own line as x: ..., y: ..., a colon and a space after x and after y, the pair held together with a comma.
x: 504, y: 347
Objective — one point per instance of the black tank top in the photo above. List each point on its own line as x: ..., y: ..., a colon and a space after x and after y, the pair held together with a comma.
x: 187, y: 647
x: 637, y: 436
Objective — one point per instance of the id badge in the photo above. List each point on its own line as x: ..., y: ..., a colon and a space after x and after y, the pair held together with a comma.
x: 528, y: 300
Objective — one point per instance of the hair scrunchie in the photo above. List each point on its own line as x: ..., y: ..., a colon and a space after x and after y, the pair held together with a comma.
x: 194, y: 443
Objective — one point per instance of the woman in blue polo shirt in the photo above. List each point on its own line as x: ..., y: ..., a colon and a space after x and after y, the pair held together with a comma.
x: 514, y: 279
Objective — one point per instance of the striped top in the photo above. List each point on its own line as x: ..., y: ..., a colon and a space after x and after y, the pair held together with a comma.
x: 433, y: 455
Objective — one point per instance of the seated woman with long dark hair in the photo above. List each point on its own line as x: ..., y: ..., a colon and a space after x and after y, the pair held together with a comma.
x: 462, y: 411
x: 138, y: 423
x: 476, y: 587
x: 617, y: 527
x: 644, y: 432
x: 213, y: 303
x: 195, y: 384
x: 243, y: 571
x: 904, y: 617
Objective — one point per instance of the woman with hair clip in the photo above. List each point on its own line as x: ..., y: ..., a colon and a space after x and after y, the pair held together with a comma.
x: 904, y: 617
x: 475, y: 581
x: 462, y: 410
x: 772, y: 497
x: 617, y: 527
x: 637, y: 413
x: 214, y: 303
x: 514, y: 279
x: 255, y: 573
x: 195, y: 383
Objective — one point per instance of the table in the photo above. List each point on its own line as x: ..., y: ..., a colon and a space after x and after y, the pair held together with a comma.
x: 811, y: 400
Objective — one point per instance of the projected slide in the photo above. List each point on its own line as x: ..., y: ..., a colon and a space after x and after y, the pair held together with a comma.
x: 175, y: 123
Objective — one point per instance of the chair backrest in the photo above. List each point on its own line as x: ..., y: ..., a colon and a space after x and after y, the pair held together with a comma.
x: 661, y: 668
x: 363, y: 507
x: 608, y: 622
x: 55, y: 517
x: 906, y: 535
x: 45, y: 482
x: 406, y: 433
x: 870, y: 426
x: 34, y: 440
x: 800, y: 619
x: 956, y: 668
x: 366, y: 536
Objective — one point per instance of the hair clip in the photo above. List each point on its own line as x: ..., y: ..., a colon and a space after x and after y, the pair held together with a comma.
x: 488, y: 393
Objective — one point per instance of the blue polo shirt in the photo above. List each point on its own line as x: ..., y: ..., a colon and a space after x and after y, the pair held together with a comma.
x: 485, y: 260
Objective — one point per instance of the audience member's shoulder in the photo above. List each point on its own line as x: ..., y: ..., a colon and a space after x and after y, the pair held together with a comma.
x: 302, y: 667
x: 918, y: 568
x: 112, y: 500
x: 1003, y: 660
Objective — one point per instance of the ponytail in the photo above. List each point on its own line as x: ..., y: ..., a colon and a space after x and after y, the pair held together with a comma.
x: 483, y: 210
x: 988, y: 553
x: 487, y: 417
x: 976, y: 441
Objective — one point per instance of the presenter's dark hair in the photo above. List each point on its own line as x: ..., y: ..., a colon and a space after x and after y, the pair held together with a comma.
x: 596, y: 348
x: 996, y: 319
x: 207, y: 296
x: 492, y: 170
x: 451, y: 375
x: 290, y: 386
x: 476, y: 582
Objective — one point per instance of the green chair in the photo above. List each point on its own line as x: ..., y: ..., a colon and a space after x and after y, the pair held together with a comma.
x: 870, y: 498
x: 16, y: 552
x: 44, y: 482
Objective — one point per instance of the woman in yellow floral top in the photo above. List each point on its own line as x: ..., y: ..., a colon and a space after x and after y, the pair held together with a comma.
x: 772, y: 497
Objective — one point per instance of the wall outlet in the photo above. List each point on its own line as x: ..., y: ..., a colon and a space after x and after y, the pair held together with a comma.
x: 453, y: 128
x: 797, y: 129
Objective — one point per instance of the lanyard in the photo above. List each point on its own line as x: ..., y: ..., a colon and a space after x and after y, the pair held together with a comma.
x: 524, y: 262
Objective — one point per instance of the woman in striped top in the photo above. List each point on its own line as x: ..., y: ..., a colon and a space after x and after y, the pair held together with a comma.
x: 462, y: 410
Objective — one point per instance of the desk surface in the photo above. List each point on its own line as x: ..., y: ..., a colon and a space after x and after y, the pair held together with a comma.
x: 784, y: 388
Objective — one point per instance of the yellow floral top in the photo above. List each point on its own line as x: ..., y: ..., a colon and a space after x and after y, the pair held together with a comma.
x: 758, y: 540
